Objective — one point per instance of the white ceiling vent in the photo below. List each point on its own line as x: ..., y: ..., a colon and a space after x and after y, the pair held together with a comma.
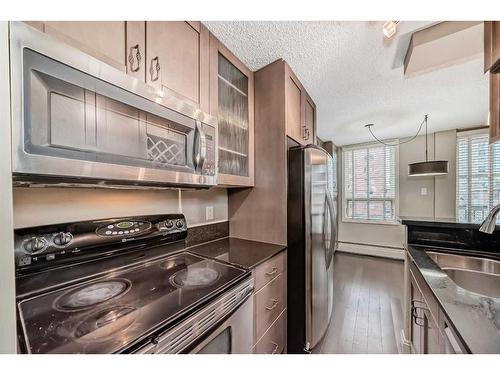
x: 442, y: 45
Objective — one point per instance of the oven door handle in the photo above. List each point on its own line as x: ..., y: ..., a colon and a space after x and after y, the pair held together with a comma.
x: 200, y: 147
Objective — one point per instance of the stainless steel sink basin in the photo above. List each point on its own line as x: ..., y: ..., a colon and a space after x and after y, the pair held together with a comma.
x: 478, y: 275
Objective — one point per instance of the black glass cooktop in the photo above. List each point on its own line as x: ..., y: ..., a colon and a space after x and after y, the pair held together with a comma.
x: 110, y: 313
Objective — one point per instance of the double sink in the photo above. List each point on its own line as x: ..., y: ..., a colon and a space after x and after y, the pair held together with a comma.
x: 477, y: 275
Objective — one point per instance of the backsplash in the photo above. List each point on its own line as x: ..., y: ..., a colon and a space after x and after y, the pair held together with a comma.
x: 454, y: 236
x: 41, y: 206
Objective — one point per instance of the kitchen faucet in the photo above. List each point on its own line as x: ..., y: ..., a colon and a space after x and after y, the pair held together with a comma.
x: 488, y: 225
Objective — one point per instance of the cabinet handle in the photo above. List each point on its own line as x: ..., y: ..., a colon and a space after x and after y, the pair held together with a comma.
x: 414, y: 312
x: 137, y: 57
x: 306, y: 134
x: 273, y: 306
x: 154, y: 69
x: 272, y: 272
x: 276, y: 346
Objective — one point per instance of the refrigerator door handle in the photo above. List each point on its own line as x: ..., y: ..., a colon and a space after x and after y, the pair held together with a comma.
x: 331, y: 212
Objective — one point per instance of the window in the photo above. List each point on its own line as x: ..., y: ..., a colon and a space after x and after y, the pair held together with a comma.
x: 369, y: 174
x: 478, y: 176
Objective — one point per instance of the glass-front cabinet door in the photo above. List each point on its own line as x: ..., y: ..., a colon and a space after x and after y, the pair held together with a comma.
x: 231, y: 100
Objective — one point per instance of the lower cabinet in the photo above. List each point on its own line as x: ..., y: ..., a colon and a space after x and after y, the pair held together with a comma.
x: 430, y: 332
x: 270, y: 306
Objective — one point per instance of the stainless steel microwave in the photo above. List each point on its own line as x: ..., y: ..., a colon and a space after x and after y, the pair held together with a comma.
x: 78, y: 121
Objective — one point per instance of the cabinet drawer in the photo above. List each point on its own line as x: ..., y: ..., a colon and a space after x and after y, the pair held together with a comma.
x: 268, y: 270
x: 273, y: 341
x: 269, y: 303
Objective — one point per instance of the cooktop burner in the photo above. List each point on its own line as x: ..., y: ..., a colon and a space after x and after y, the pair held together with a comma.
x: 90, y: 295
x: 111, y: 313
x: 103, y: 324
x: 195, y: 277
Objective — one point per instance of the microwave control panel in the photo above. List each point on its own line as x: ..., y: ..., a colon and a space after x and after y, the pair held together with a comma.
x: 209, y: 164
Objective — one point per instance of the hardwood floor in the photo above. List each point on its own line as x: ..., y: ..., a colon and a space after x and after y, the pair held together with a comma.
x: 367, y: 314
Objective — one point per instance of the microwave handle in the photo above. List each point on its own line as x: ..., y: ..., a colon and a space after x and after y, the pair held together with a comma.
x: 200, y: 147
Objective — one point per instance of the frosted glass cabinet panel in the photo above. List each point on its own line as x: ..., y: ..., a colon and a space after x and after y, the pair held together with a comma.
x: 232, y: 100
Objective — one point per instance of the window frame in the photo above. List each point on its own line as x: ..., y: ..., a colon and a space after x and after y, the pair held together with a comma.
x: 346, y: 219
x: 468, y: 134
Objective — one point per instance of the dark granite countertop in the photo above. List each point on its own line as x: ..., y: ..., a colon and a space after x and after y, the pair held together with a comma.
x: 475, y: 317
x: 243, y: 253
x: 440, y: 222
x: 437, y: 222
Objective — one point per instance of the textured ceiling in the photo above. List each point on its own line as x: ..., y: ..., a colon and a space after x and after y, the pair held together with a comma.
x: 356, y: 77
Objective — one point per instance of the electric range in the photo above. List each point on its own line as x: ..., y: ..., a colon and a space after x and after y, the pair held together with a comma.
x: 122, y: 285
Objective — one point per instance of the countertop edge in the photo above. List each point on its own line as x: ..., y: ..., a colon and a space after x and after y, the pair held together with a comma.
x: 277, y: 250
x: 433, y: 267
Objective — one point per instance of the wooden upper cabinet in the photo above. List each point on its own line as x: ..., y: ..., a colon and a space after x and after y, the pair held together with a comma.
x: 104, y: 40
x: 300, y: 110
x: 492, y: 65
x: 492, y: 46
x: 177, y: 60
x: 293, y: 104
x: 310, y: 120
x: 232, y: 101
x: 494, y: 110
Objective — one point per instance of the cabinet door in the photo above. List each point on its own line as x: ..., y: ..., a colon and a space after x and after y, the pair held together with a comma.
x: 416, y: 321
x: 492, y: 46
x: 309, y: 130
x: 294, y: 105
x: 494, y: 111
x: 177, y: 54
x: 232, y: 101
x: 105, y: 40
x: 136, y: 49
x: 431, y: 342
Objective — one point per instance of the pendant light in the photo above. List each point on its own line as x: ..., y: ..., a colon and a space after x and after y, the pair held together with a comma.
x: 428, y: 167
x: 423, y: 168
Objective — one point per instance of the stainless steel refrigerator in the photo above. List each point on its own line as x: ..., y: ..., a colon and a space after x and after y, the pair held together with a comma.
x: 312, y: 241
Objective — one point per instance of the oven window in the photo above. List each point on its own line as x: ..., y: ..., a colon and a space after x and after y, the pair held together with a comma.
x: 221, y: 344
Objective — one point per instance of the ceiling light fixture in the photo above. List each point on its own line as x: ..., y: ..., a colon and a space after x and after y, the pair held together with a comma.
x: 424, y: 168
x: 389, y: 28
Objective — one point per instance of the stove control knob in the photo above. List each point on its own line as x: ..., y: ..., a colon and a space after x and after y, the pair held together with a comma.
x: 35, y: 245
x: 62, y: 238
x: 169, y: 224
x: 179, y: 223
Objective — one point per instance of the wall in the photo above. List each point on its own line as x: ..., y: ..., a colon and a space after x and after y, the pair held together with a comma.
x: 40, y: 206
x: 439, y: 201
x: 7, y: 280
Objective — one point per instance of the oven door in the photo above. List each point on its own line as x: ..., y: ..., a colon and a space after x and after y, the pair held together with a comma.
x: 233, y: 336
x: 223, y: 326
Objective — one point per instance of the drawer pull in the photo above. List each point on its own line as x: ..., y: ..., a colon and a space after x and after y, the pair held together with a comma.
x: 273, y: 306
x: 419, y: 321
x: 276, y: 346
x: 272, y: 272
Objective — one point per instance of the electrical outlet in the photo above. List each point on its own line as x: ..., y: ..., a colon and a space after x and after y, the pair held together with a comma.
x: 209, y: 213
x: 423, y: 191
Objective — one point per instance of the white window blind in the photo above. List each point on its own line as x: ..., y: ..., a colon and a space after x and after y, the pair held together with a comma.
x: 478, y: 176
x: 369, y: 183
